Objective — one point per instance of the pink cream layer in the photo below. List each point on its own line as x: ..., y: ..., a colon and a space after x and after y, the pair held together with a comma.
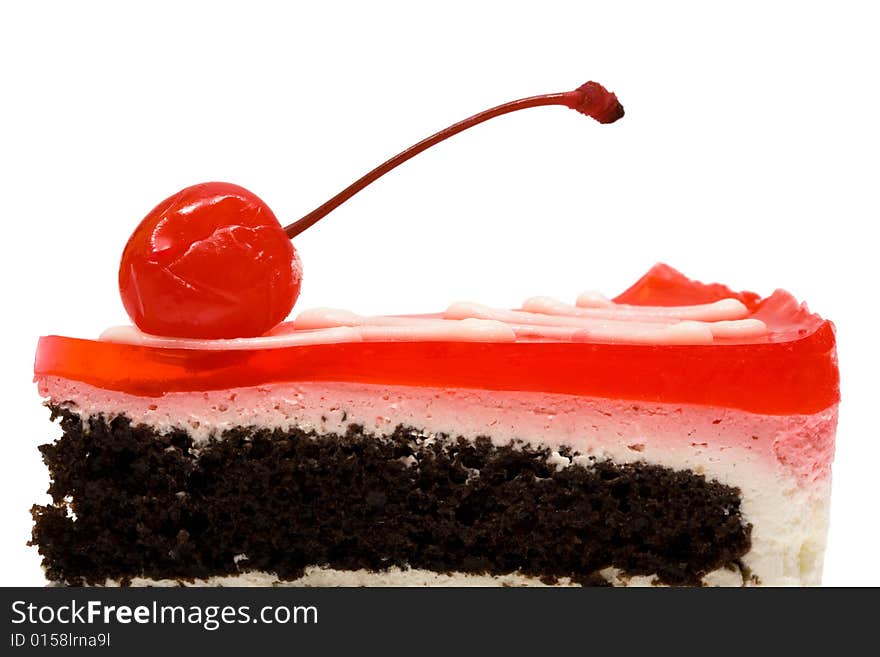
x: 799, y: 446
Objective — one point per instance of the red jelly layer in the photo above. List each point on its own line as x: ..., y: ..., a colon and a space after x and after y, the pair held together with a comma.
x: 791, y: 370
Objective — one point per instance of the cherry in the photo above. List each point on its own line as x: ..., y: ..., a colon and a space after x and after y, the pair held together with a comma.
x: 212, y: 261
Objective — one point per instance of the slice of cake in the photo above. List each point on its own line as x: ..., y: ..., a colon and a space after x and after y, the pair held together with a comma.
x: 681, y: 434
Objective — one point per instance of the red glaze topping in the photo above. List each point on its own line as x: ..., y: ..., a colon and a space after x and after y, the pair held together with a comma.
x: 793, y: 369
x: 212, y: 261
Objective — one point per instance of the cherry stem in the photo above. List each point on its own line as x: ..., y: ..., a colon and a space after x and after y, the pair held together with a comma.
x: 591, y: 99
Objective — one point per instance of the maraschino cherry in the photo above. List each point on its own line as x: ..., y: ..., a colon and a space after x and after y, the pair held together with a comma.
x: 212, y: 261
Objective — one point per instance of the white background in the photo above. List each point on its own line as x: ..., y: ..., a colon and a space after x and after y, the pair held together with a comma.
x: 748, y: 155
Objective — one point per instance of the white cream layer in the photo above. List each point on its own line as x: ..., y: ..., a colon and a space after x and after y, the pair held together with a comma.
x: 781, y: 464
x: 415, y: 577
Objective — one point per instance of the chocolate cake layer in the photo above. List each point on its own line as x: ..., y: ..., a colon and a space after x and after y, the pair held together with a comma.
x: 130, y: 502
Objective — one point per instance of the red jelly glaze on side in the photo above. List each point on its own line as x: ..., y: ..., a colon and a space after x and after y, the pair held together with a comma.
x: 212, y: 261
x: 793, y: 370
